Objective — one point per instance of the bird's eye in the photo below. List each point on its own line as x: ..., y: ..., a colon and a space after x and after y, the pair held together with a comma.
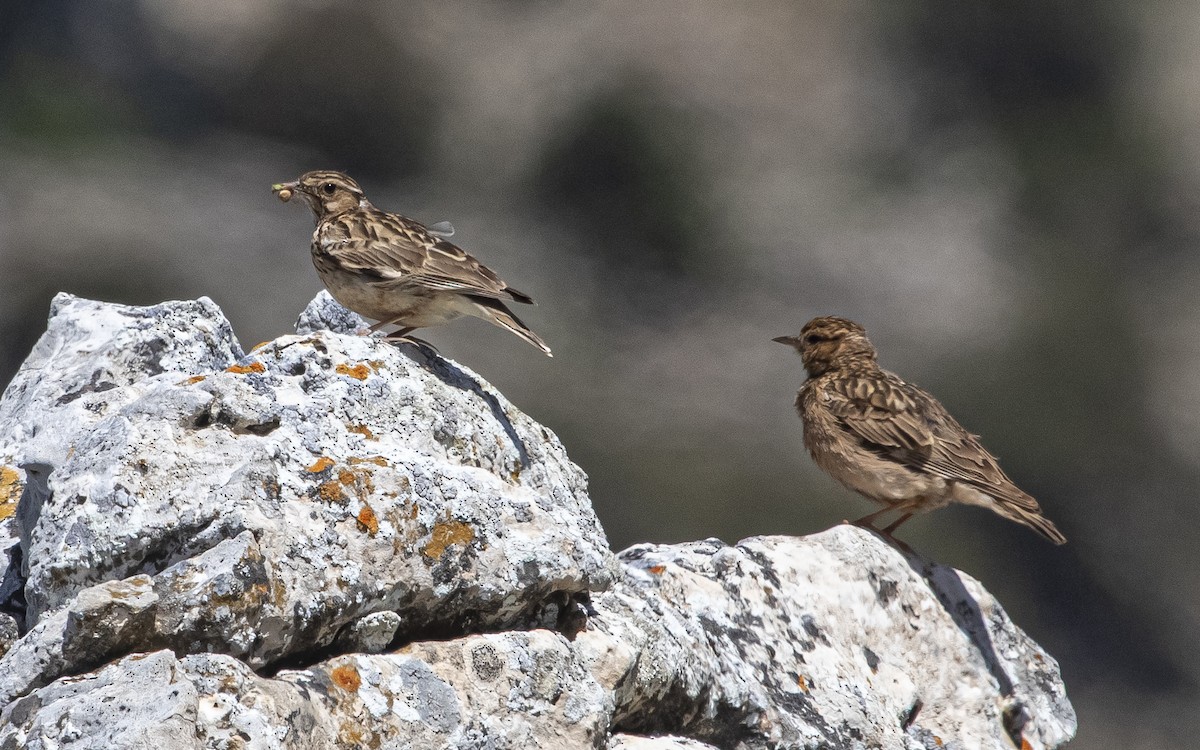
x: 813, y: 338
x: 329, y: 187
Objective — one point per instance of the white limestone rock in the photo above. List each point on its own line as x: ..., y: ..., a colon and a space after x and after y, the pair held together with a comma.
x: 829, y: 641
x: 664, y: 742
x: 219, y: 551
x: 275, y: 500
x: 511, y: 690
x: 833, y: 640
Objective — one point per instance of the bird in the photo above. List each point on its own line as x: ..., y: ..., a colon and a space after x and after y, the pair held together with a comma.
x: 395, y: 270
x: 891, y: 441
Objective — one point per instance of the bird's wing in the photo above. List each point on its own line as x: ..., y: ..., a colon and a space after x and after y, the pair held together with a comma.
x: 883, y: 414
x: 904, y: 423
x: 399, y: 252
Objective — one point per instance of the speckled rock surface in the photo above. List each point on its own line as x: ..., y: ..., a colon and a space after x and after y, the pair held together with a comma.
x: 275, y: 500
x: 831, y: 640
x: 299, y: 547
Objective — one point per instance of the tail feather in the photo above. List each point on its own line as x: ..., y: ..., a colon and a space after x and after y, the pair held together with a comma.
x: 495, y: 312
x: 1034, y: 519
x: 517, y: 296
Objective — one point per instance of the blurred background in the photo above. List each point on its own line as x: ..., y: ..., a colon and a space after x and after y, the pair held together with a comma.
x: 1005, y: 196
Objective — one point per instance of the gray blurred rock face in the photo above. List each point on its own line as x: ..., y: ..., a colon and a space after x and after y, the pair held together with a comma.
x: 228, y: 550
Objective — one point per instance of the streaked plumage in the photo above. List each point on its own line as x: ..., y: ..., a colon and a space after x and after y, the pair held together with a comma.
x: 891, y: 441
x: 395, y: 270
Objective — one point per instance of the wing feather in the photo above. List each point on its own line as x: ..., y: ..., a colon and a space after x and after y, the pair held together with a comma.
x: 400, y: 252
x: 904, y: 423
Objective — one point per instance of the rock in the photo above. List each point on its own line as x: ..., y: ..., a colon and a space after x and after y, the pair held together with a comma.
x: 8, y: 632
x: 142, y: 701
x: 369, y: 634
x: 664, y: 742
x: 832, y: 640
x: 509, y: 690
x: 325, y: 314
x: 298, y: 548
x: 276, y: 500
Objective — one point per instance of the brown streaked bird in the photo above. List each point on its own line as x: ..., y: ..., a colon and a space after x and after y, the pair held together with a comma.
x: 395, y: 270
x: 890, y: 441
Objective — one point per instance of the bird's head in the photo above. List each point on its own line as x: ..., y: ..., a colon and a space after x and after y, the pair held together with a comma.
x: 327, y: 193
x: 829, y: 342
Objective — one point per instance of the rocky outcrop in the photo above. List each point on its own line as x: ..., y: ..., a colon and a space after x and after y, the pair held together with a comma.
x: 334, y: 541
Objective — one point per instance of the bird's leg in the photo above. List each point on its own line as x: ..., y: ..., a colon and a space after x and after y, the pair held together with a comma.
x: 401, y: 336
x: 866, y: 520
x: 896, y: 524
x: 906, y: 508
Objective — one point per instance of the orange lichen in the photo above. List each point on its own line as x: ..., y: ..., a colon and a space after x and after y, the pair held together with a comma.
x: 193, y: 380
x: 358, y: 372
x: 367, y: 520
x: 361, y: 429
x: 1025, y: 744
x: 802, y: 682
x: 322, y: 463
x: 445, y: 534
x: 10, y: 491
x: 938, y: 741
x: 359, y: 737
x: 376, y: 364
x: 243, y: 369
x: 331, y: 492
x: 377, y: 460
x: 259, y: 345
x: 346, y: 677
x: 657, y: 569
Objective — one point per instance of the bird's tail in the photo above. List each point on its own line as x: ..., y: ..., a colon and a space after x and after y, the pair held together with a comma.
x: 1030, y: 514
x: 494, y: 311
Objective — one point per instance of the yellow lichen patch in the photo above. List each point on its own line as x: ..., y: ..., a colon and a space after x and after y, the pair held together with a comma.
x: 377, y: 460
x: 361, y: 429
x: 358, y: 372
x: 193, y: 380
x: 346, y: 677
x: 243, y: 369
x: 322, y: 463
x: 657, y: 569
x: 331, y: 491
x: 447, y: 533
x: 357, y: 737
x: 367, y: 520
x: 259, y: 345
x: 10, y: 491
x: 376, y: 364
x: 802, y: 682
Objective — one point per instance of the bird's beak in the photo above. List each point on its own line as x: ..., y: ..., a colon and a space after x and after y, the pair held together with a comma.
x: 789, y: 340
x: 285, y: 190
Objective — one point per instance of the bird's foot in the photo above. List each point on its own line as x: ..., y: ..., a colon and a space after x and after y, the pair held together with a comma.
x: 886, y: 533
